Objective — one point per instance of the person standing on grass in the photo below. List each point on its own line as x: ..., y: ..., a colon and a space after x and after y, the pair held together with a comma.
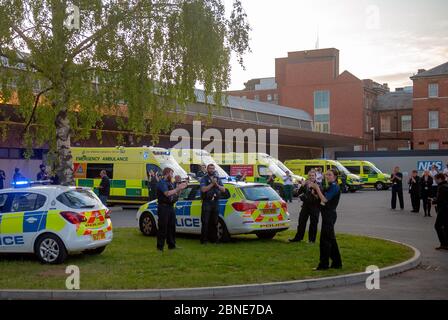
x: 441, y: 201
x: 288, y: 186
x: 310, y: 209
x: 397, y: 188
x: 426, y: 192
x: 329, y: 202
x: 167, y: 196
x: 414, y: 191
x: 104, y: 188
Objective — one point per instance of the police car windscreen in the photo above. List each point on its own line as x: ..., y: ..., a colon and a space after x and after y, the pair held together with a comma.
x: 260, y: 193
x: 79, y: 199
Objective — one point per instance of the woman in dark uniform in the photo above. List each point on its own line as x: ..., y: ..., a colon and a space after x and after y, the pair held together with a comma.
x: 426, y: 183
x: 329, y: 202
x: 414, y: 191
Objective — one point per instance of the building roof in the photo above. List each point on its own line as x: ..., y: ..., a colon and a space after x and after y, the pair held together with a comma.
x: 258, y: 106
x: 401, y: 100
x: 437, y: 71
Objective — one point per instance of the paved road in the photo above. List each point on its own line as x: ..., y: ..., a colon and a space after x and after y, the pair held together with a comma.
x: 368, y: 213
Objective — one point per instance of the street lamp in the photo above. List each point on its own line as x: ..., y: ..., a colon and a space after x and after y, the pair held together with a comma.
x: 373, y: 137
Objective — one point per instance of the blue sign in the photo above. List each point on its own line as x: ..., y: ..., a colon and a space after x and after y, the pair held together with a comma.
x: 427, y: 165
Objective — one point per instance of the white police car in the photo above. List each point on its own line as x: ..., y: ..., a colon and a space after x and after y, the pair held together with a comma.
x: 53, y: 221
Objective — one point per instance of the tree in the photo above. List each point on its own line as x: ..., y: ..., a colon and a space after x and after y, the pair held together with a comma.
x: 69, y: 63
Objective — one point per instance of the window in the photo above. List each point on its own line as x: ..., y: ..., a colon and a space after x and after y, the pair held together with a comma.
x: 257, y: 97
x: 260, y: 193
x: 79, y: 199
x: 3, y: 198
x: 433, y: 119
x: 433, y: 90
x: 368, y: 170
x: 406, y: 123
x: 381, y: 149
x: 322, y: 127
x: 354, y: 169
x: 190, y: 193
x: 385, y: 123
x: 27, y: 202
x: 94, y: 169
x: 244, y: 97
x: 433, y: 145
x: 322, y: 111
x: 309, y: 168
x: 264, y: 171
x: 276, y: 96
x: 269, y: 97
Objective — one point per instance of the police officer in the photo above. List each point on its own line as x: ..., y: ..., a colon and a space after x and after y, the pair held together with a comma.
x: 397, y: 188
x: 167, y: 196
x: 310, y: 209
x: 414, y: 191
x: 329, y: 201
x: 441, y: 202
x: 211, y: 189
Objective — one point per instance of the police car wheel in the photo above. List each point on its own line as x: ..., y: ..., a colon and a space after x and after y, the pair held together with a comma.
x: 223, y: 233
x: 148, y: 225
x: 50, y: 249
x: 379, y: 186
x: 266, y: 235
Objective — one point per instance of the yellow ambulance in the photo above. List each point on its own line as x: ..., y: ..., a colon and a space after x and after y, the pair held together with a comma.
x: 302, y: 167
x: 126, y: 168
x: 371, y: 176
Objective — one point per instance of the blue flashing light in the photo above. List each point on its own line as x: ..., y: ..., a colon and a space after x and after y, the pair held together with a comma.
x: 21, y: 184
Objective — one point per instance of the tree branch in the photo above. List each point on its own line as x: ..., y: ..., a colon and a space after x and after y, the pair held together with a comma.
x: 36, y: 101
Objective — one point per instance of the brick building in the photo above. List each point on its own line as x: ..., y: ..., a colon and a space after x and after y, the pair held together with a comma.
x: 392, y: 121
x: 340, y: 103
x: 430, y: 108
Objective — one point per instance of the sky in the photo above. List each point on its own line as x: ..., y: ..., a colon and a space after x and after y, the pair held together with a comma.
x: 383, y: 40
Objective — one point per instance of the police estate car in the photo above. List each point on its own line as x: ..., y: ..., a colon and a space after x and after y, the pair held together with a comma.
x: 245, y: 208
x: 53, y: 221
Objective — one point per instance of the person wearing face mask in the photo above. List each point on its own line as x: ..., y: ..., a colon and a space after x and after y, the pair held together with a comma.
x: 414, y: 191
x: 310, y: 209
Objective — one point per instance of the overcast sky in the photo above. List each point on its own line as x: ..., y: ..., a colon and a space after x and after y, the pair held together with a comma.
x: 384, y: 40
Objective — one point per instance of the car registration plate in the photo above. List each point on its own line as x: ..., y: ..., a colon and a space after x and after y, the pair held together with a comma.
x: 99, y: 236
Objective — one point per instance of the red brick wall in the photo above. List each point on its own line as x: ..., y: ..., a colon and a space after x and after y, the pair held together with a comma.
x: 421, y: 107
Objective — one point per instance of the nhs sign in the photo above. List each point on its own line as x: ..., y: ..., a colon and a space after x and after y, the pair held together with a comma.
x: 427, y: 165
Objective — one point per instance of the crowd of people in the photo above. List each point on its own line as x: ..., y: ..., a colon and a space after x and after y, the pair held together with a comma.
x: 430, y: 190
x: 44, y: 176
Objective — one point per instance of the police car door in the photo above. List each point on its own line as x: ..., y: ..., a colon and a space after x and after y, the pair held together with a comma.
x: 188, y: 210
x: 26, y: 216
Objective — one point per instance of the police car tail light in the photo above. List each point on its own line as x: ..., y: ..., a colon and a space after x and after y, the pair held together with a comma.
x: 73, y: 217
x: 244, y: 206
x: 284, y: 206
x: 108, y: 212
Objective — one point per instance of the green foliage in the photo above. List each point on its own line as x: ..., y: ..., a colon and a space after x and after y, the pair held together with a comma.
x: 145, y: 54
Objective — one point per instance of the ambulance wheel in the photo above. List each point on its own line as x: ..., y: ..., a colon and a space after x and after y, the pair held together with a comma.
x: 95, y: 251
x: 223, y: 233
x: 267, y: 235
x: 379, y: 186
x: 147, y: 225
x: 50, y: 249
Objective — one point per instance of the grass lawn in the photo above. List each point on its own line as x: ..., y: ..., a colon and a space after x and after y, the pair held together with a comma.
x: 132, y: 262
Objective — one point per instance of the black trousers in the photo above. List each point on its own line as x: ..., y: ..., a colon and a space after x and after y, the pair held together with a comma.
x: 441, y: 227
x: 426, y: 203
x: 329, y: 248
x: 397, y: 191
x: 415, y: 200
x: 209, y: 220
x: 166, y: 226
x: 313, y: 214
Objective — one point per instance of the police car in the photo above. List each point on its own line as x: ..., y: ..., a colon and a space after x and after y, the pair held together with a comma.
x: 245, y: 208
x: 53, y: 221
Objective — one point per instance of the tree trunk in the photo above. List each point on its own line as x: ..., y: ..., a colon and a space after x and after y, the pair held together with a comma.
x: 64, y: 161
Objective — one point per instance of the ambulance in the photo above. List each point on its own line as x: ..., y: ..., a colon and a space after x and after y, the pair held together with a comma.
x: 371, y: 176
x: 257, y: 167
x: 302, y: 167
x: 191, y: 161
x: 126, y: 168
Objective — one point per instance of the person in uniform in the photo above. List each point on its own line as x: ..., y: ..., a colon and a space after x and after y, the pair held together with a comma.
x: 104, y: 187
x: 202, y: 173
x: 2, y: 179
x: 167, y: 196
x: 288, y: 186
x: 310, y: 209
x: 426, y: 191
x: 211, y: 189
x: 397, y: 188
x: 414, y: 191
x: 441, y: 202
x: 153, y: 179
x: 329, y: 202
